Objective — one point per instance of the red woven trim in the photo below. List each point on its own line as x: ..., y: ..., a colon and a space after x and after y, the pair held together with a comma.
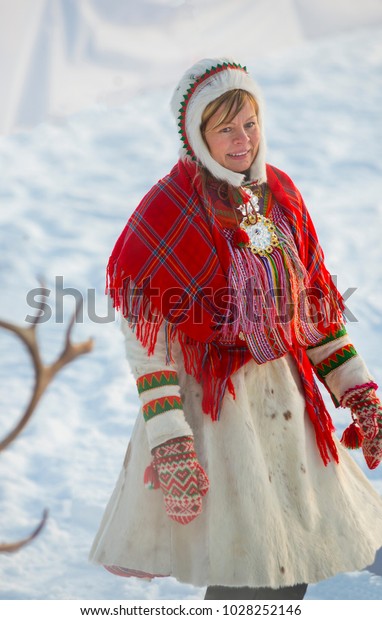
x: 316, y: 409
x: 161, y: 405
x: 157, y: 379
x: 190, y: 91
x: 336, y: 359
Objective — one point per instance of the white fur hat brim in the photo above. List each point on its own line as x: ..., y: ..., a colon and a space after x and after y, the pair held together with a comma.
x: 196, y: 89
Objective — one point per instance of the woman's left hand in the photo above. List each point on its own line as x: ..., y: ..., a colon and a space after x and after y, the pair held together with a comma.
x: 372, y: 449
x: 366, y: 410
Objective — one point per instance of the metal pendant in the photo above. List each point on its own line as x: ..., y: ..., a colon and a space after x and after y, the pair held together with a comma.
x: 261, y: 233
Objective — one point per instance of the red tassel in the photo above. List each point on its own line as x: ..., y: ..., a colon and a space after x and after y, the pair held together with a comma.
x: 150, y: 478
x: 240, y: 238
x: 352, y: 437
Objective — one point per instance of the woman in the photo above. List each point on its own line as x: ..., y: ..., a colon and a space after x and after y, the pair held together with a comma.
x: 228, y: 310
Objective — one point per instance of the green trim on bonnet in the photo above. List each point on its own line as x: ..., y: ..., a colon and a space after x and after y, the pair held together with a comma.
x: 190, y: 91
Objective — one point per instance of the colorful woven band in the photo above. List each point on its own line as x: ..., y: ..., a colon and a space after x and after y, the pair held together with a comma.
x: 190, y: 91
x: 339, y: 357
x: 161, y: 405
x: 338, y: 334
x: 152, y: 380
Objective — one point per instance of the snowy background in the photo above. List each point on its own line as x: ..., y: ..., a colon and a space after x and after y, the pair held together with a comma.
x: 67, y: 186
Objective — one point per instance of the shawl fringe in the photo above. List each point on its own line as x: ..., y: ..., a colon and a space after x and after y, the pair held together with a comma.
x: 212, y: 366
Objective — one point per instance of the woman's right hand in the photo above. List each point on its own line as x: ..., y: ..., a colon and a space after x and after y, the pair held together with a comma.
x: 181, y: 478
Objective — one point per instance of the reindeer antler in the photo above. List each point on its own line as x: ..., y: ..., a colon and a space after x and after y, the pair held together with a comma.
x: 43, y: 374
x: 12, y: 547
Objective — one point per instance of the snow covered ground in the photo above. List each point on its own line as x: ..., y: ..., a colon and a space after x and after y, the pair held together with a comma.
x: 66, y: 190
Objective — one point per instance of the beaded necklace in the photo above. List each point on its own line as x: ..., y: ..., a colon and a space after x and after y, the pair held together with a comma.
x: 252, y: 228
x: 255, y: 230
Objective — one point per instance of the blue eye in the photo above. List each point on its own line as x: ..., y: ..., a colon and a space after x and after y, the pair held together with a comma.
x: 225, y: 129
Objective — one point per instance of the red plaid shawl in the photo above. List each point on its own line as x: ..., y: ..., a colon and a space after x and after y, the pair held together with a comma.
x: 170, y: 264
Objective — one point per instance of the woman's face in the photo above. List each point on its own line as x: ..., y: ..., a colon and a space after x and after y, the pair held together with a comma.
x: 234, y: 145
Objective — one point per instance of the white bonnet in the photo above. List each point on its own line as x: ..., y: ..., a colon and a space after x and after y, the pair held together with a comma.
x: 204, y: 82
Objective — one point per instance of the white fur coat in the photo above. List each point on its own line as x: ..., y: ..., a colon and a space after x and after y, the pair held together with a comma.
x: 274, y: 514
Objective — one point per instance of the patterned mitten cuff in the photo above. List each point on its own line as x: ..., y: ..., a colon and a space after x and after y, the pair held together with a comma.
x: 366, y: 429
x: 176, y: 470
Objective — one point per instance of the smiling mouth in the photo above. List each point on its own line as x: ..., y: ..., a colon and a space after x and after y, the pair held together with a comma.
x: 243, y: 154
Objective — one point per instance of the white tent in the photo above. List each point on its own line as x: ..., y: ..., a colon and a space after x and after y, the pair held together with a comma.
x: 58, y: 56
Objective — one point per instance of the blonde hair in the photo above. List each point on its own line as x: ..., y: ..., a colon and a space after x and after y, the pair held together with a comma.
x: 231, y: 103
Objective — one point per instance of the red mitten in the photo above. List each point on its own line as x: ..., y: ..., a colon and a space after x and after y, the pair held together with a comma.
x: 366, y: 411
x: 180, y: 476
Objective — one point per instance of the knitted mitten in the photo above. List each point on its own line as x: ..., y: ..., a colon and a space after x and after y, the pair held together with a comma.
x: 180, y: 476
x: 372, y: 450
x: 366, y: 411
